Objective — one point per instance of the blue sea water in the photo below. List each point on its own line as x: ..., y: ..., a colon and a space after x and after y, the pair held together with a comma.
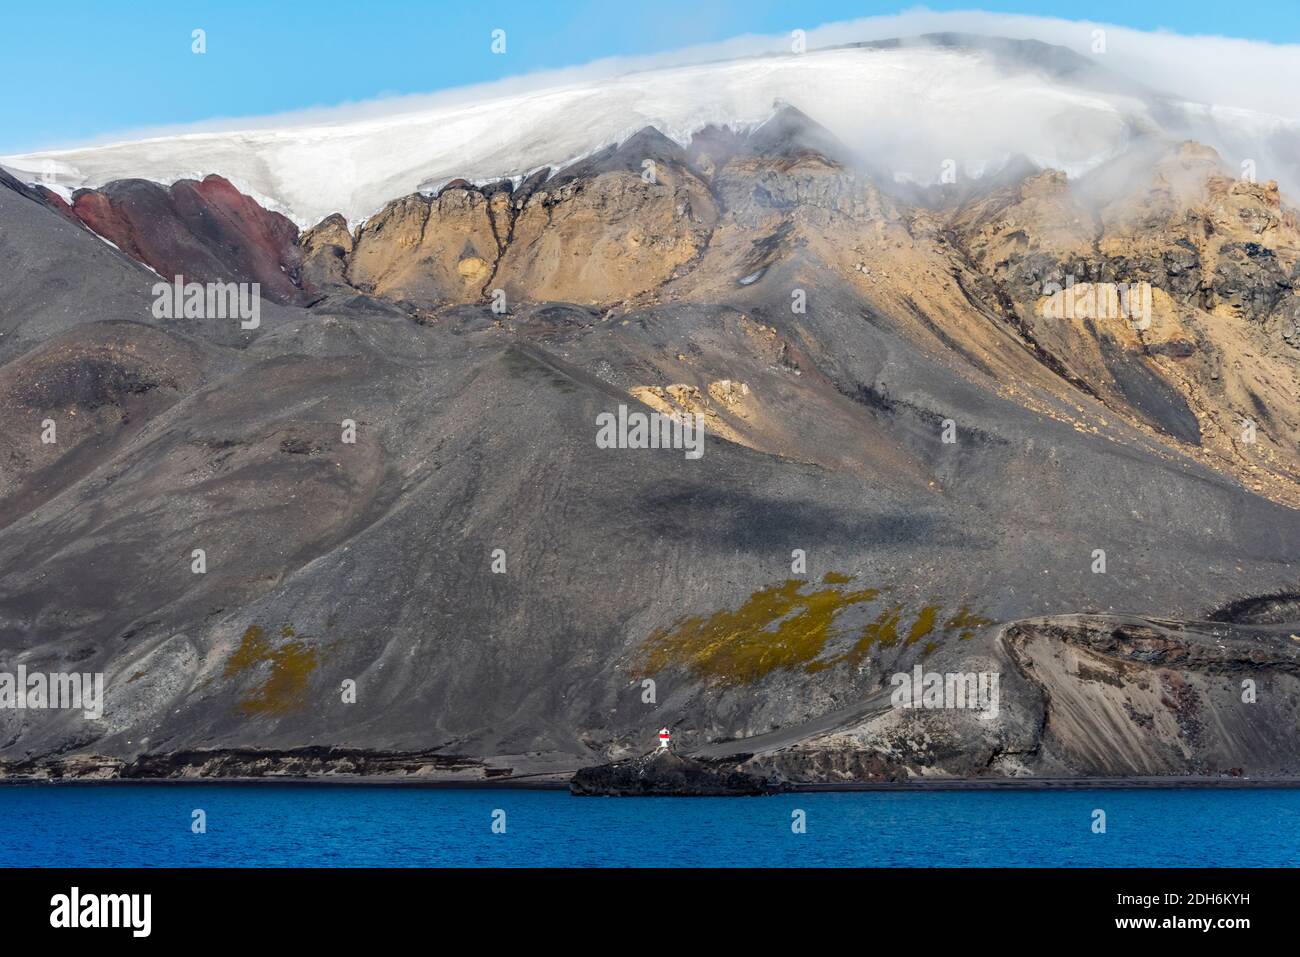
x: 287, y: 825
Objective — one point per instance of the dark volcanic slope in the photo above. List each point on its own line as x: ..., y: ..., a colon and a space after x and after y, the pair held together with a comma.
x: 372, y: 561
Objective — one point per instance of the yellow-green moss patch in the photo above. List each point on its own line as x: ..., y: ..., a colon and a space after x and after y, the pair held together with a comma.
x: 291, y: 665
x: 965, y: 622
x: 787, y: 626
x: 778, y: 627
x: 923, y: 625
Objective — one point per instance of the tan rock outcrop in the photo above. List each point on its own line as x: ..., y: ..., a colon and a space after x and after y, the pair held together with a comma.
x: 427, y: 250
x: 606, y: 239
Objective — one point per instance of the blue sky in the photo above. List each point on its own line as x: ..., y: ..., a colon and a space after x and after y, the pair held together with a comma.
x: 83, y: 69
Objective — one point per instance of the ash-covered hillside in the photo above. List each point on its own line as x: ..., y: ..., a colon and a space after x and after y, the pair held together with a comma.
x: 1033, y: 425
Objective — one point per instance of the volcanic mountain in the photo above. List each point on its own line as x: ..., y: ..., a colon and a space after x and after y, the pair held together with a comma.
x: 376, y: 533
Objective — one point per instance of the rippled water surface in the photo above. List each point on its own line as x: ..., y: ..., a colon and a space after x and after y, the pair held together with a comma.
x: 283, y: 825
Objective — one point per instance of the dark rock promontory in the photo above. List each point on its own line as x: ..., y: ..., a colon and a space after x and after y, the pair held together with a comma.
x: 665, y: 774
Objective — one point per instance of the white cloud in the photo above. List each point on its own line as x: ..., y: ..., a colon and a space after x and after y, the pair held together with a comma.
x: 353, y: 157
x: 1223, y: 71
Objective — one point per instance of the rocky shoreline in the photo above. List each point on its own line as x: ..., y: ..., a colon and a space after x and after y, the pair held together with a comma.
x: 251, y: 764
x: 658, y: 774
x: 666, y: 774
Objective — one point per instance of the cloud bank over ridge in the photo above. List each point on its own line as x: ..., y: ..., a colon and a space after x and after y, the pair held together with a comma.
x: 911, y: 110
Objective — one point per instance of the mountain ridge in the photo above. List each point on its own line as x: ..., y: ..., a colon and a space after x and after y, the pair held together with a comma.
x: 914, y: 457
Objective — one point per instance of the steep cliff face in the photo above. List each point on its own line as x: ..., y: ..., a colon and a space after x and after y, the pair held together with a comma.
x: 614, y: 226
x: 1203, y: 360
x: 1078, y: 696
x: 427, y: 250
x: 914, y: 457
x: 1132, y: 697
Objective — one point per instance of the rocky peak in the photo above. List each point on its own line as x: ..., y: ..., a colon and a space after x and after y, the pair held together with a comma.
x: 792, y: 135
x: 206, y: 231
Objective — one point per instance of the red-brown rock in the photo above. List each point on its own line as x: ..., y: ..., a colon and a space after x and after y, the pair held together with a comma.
x: 205, y: 231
